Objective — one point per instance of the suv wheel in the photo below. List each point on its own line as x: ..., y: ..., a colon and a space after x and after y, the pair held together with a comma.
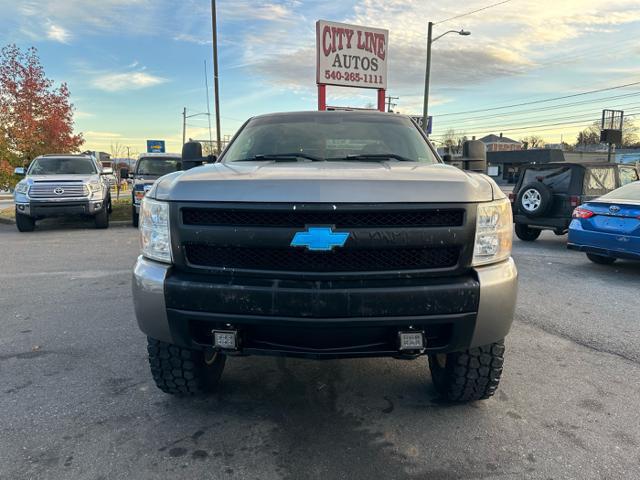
x: 526, y: 233
x: 102, y: 218
x: 24, y: 222
x: 600, y: 259
x: 469, y: 375
x: 181, y: 371
x: 534, y: 199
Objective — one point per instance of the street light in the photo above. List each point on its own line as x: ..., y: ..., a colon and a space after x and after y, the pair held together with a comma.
x: 184, y: 122
x: 425, y: 111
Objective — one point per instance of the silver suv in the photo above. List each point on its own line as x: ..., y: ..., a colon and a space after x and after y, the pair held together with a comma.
x: 57, y: 185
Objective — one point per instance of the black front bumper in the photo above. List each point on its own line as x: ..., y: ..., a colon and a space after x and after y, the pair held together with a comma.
x: 63, y: 208
x: 322, y: 319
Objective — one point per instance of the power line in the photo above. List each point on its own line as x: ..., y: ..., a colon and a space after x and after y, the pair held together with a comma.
x: 536, y: 128
x: 544, y: 109
x: 585, y: 116
x: 473, y: 11
x: 542, y: 101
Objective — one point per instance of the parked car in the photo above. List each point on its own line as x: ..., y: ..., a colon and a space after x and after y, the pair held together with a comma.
x: 608, y: 227
x: 546, y: 194
x: 150, y: 167
x: 332, y: 234
x: 58, y: 185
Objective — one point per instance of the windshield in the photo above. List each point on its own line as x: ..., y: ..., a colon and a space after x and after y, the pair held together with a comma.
x: 330, y: 136
x: 62, y: 166
x: 158, y: 166
x: 630, y: 192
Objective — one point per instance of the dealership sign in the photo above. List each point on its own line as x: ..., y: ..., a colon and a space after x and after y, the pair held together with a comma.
x: 351, y: 55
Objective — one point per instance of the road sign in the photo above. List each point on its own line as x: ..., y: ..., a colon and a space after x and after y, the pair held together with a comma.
x: 351, y: 55
x: 155, y: 146
x: 418, y: 120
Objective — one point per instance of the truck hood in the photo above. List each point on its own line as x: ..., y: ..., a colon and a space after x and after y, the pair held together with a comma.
x: 324, y: 182
x: 62, y: 178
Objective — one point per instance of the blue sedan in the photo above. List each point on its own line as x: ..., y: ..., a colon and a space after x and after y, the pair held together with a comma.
x: 608, y: 227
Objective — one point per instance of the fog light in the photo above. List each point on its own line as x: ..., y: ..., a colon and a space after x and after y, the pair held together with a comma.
x: 97, y: 205
x: 226, y: 340
x: 411, y: 340
x: 21, y: 207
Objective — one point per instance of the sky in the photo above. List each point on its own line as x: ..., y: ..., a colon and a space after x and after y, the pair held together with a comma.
x: 132, y: 66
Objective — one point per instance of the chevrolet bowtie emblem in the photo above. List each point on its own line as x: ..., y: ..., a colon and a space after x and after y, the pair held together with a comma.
x: 319, y: 239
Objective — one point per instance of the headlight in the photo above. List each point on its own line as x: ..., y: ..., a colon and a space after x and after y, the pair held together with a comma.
x: 155, y: 239
x: 494, y: 227
x: 22, y: 188
x: 94, y: 187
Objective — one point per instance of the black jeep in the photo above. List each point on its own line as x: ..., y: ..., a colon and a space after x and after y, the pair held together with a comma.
x: 546, y: 194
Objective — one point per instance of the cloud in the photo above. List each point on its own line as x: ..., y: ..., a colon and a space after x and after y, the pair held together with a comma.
x: 116, y: 82
x: 186, y: 37
x: 102, y: 135
x: 58, y: 34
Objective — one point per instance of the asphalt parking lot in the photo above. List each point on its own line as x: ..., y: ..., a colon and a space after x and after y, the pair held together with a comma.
x: 77, y: 400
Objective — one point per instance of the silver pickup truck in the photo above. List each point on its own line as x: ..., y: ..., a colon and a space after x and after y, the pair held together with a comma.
x: 58, y: 185
x: 326, y: 235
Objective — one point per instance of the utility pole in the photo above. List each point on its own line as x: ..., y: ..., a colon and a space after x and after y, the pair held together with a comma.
x: 425, y: 110
x: 389, y: 104
x: 215, y: 72
x: 184, y: 124
x: 430, y: 40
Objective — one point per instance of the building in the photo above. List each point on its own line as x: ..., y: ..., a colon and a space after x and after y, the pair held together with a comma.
x: 504, y: 166
x: 498, y: 143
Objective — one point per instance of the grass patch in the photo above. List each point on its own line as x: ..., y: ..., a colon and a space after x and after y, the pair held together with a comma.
x: 121, y: 210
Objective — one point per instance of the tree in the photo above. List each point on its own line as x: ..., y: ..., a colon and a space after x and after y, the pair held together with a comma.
x: 35, y: 116
x: 532, y: 141
x: 591, y: 134
x: 452, y: 141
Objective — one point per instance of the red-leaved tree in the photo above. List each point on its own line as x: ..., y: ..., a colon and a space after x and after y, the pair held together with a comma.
x: 35, y: 116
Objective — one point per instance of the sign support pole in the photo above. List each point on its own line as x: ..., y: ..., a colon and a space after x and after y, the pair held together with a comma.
x: 382, y: 93
x: 322, y: 97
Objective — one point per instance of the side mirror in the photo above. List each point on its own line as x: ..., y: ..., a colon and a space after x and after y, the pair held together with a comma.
x: 19, y: 171
x: 107, y: 171
x: 446, y: 158
x: 124, y: 173
x: 212, y: 158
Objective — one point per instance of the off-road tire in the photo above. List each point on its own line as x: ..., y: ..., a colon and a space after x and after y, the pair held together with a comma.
x: 181, y: 371
x: 600, y: 259
x: 135, y: 217
x: 526, y: 233
x: 546, y: 199
x: 102, y: 218
x: 469, y: 375
x: 25, y: 223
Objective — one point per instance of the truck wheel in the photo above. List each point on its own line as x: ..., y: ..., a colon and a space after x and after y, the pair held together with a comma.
x: 135, y: 217
x: 600, y: 259
x: 525, y: 233
x: 181, y: 371
x: 469, y: 375
x: 25, y: 223
x: 102, y: 219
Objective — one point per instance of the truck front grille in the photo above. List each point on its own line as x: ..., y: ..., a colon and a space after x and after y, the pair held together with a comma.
x: 338, y: 260
x: 451, y: 217
x: 58, y: 190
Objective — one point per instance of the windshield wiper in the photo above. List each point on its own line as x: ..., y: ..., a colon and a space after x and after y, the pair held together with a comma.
x: 367, y: 157
x: 281, y: 157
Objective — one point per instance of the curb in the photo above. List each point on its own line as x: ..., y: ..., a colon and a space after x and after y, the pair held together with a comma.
x: 113, y: 223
